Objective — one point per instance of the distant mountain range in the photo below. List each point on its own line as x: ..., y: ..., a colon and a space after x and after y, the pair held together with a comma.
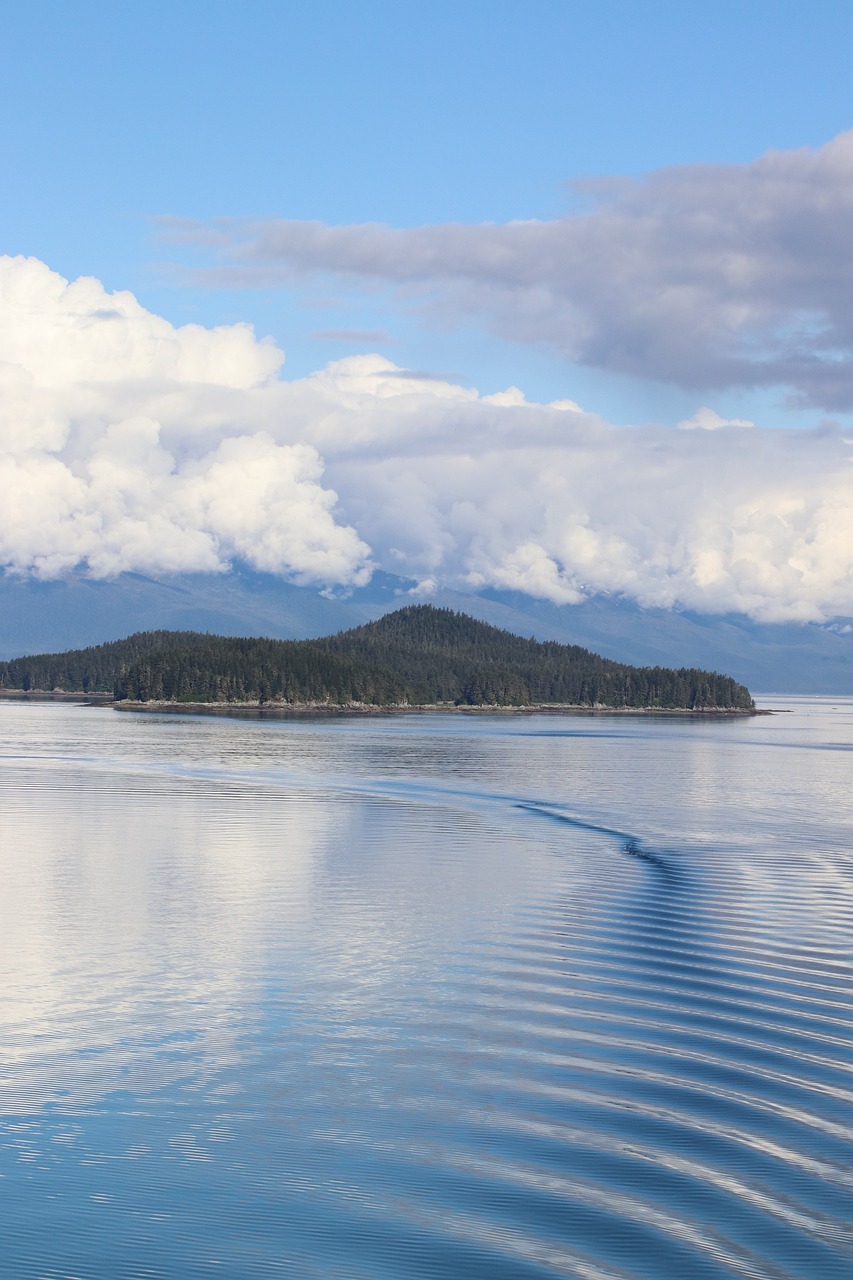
x: 41, y: 617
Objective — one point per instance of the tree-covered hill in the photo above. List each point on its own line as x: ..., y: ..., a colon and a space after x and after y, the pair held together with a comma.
x: 450, y: 657
x: 92, y: 670
x: 221, y: 669
x: 419, y: 655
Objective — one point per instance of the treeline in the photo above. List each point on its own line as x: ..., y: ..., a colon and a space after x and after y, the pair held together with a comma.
x: 219, y: 669
x: 417, y: 656
x: 449, y: 657
x: 92, y: 670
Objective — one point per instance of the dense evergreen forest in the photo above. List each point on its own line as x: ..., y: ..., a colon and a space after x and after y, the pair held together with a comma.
x: 448, y: 657
x: 419, y: 655
x: 92, y: 670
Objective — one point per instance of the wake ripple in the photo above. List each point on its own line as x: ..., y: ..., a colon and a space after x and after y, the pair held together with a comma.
x: 262, y: 1025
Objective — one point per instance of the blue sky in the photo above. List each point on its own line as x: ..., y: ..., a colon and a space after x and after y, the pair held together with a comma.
x: 405, y: 114
x: 548, y: 297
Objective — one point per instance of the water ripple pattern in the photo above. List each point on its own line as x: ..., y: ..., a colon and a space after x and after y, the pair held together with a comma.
x: 498, y: 998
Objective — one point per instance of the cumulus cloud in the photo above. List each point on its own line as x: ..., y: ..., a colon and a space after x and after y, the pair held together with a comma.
x: 126, y: 443
x: 705, y: 419
x: 122, y: 446
x: 557, y: 503
x: 703, y: 276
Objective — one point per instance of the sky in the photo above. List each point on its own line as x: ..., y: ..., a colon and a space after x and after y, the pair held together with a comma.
x: 549, y: 295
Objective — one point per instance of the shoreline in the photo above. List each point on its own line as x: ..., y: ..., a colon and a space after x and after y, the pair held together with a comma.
x: 57, y: 695
x: 320, y: 709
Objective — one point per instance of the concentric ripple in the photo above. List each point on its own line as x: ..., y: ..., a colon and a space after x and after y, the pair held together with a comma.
x: 528, y: 997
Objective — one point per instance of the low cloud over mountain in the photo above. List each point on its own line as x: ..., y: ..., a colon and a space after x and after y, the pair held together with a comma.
x: 129, y: 444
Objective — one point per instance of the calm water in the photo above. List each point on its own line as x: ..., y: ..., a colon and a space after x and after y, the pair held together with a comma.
x: 426, y: 997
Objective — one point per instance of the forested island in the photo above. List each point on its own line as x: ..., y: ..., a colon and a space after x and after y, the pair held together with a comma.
x: 419, y: 656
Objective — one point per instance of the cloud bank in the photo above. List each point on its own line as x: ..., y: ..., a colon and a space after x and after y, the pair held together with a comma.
x: 128, y: 444
x: 119, y: 451
x: 702, y: 276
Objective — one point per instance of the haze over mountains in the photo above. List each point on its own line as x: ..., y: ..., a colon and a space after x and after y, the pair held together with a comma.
x: 47, y: 616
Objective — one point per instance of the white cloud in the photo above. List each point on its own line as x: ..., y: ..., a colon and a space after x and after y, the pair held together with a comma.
x: 74, y: 333
x: 115, y: 451
x: 149, y: 451
x: 705, y: 419
x: 493, y: 491
x: 704, y: 276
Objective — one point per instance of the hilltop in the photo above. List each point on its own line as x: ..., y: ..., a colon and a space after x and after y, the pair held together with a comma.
x: 417, y: 656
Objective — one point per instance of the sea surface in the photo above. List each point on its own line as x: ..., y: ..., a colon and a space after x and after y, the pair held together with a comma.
x: 426, y: 996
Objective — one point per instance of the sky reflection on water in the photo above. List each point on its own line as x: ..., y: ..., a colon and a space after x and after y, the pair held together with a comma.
x: 425, y: 996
